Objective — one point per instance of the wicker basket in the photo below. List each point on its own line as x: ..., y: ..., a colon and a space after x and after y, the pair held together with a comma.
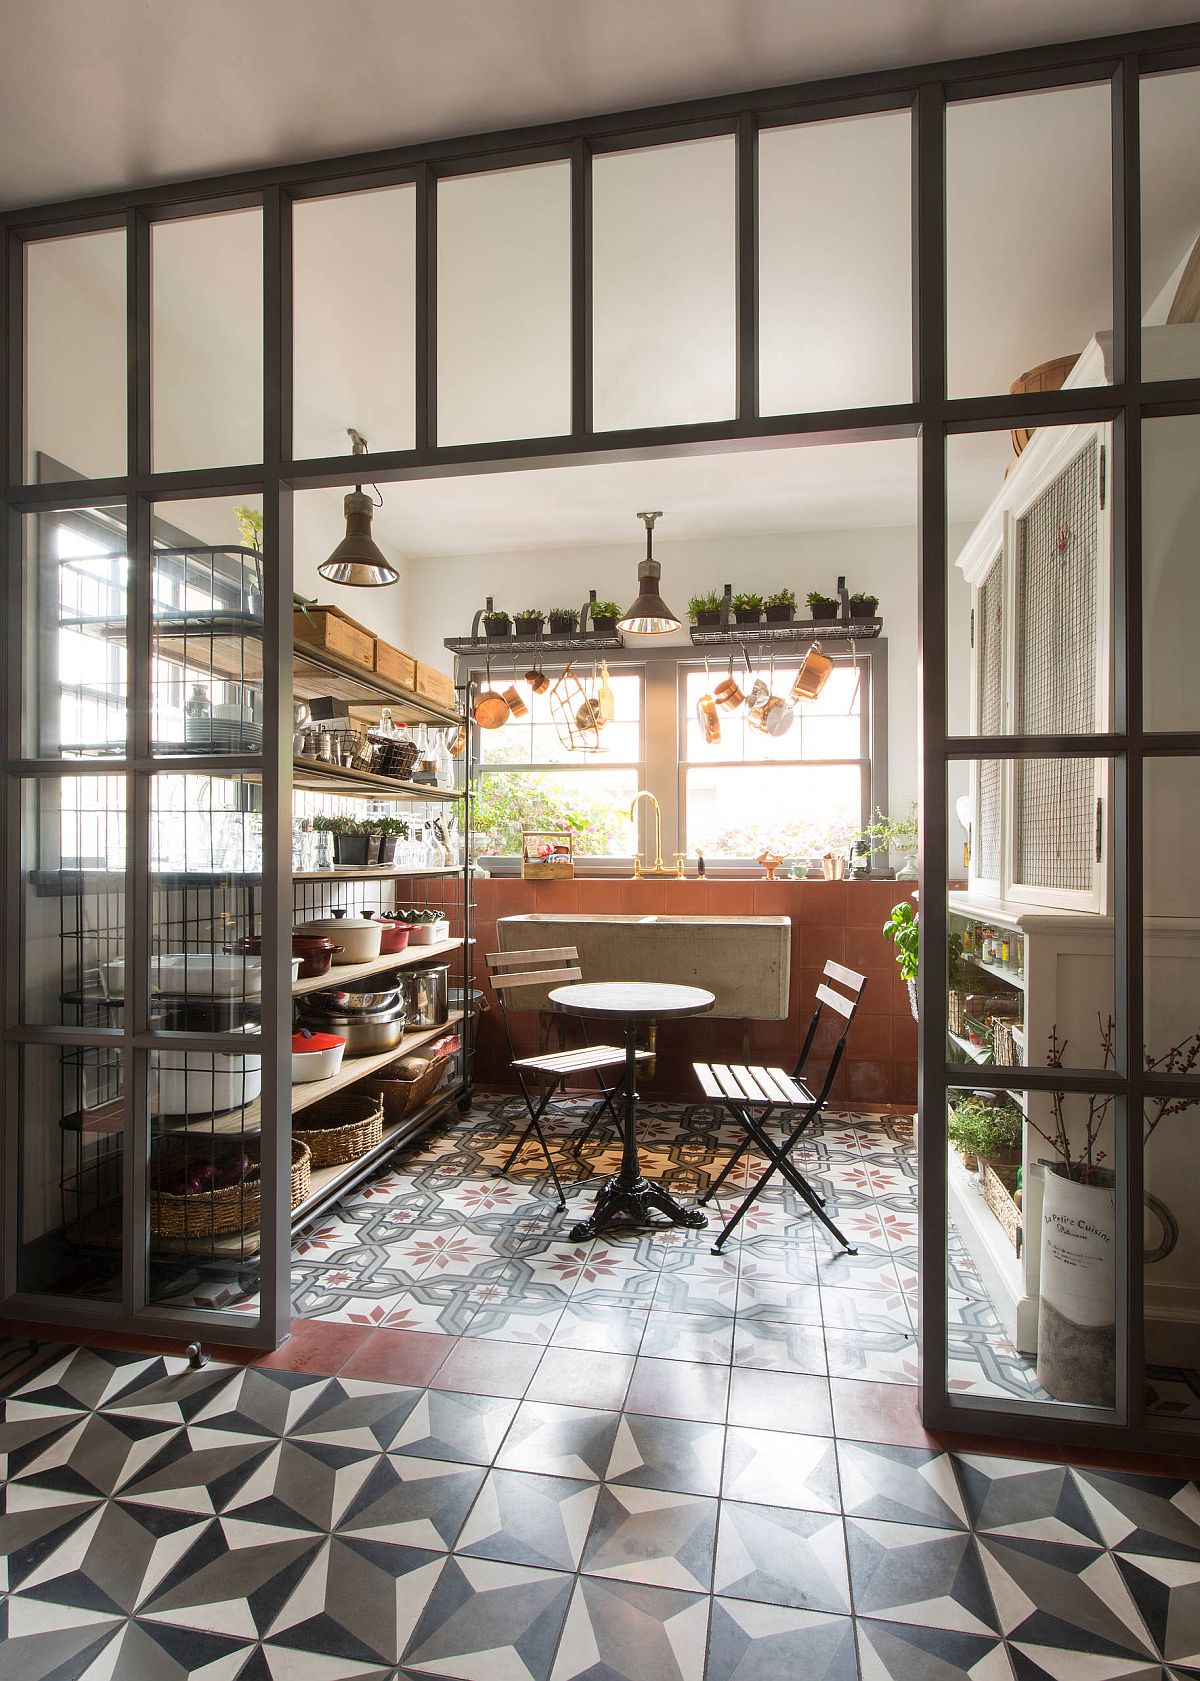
x: 396, y: 758
x: 956, y: 1009
x: 401, y: 1097
x: 999, y: 1184
x: 341, y: 1128
x: 1004, y: 1046
x: 221, y: 1213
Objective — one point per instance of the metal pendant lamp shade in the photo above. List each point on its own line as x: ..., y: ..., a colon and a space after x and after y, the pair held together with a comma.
x: 358, y: 560
x: 649, y: 614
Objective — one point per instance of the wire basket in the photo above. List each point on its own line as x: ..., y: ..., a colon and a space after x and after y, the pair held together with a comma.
x: 341, y: 1128
x: 395, y: 758
x: 224, y: 1212
x: 956, y: 1011
x: 1004, y: 1045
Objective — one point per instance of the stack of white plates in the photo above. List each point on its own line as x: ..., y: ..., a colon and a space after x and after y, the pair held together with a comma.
x: 224, y: 735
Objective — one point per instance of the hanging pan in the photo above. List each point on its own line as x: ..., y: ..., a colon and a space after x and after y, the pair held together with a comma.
x: 814, y: 673
x: 491, y: 709
x: 707, y: 715
x: 536, y: 677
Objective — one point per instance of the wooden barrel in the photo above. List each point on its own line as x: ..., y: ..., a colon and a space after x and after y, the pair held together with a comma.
x: 1047, y: 376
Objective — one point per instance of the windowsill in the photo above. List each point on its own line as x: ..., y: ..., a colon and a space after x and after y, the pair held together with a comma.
x: 507, y: 866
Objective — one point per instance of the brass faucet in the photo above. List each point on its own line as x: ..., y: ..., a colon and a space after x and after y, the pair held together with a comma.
x: 660, y: 870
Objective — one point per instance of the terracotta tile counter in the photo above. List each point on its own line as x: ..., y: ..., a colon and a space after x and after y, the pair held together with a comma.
x: 842, y: 920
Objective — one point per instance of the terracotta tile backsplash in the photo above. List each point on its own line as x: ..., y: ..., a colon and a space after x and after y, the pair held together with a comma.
x: 842, y: 920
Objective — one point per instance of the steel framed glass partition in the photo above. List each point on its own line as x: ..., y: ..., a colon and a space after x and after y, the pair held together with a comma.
x: 257, y: 342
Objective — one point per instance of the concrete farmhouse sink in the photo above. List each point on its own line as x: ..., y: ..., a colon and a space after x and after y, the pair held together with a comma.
x: 743, y: 960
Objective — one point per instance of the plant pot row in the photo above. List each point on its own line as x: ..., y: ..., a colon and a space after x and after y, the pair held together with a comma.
x: 825, y: 613
x: 529, y: 630
x: 361, y: 850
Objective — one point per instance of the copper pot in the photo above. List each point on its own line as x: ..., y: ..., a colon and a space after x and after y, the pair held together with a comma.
x: 813, y: 674
x: 516, y: 705
x: 492, y: 711
x: 728, y: 694
x: 537, y: 680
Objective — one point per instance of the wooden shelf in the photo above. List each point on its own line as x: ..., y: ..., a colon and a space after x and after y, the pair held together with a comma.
x: 375, y: 872
x: 240, y: 1123
x: 316, y: 776
x: 343, y: 972
x: 1009, y: 976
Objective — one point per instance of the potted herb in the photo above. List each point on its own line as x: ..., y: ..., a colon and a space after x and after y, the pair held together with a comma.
x: 821, y: 606
x: 563, y: 621
x: 781, y: 607
x: 863, y: 606
x: 885, y: 835
x: 529, y: 622
x: 496, y: 624
x: 747, y: 608
x: 604, y: 616
x: 902, y: 928
x: 351, y: 839
x: 385, y: 832
x: 706, y: 609
x: 983, y: 1130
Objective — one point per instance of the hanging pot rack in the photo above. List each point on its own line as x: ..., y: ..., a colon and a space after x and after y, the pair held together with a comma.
x: 583, y: 635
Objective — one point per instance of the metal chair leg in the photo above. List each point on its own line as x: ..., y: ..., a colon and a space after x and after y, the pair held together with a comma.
x: 778, y: 1158
x: 725, y: 1171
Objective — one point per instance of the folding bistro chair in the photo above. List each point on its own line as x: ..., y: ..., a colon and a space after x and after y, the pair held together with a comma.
x: 752, y: 1095
x: 510, y: 970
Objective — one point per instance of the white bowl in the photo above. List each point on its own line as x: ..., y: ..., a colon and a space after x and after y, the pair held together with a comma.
x: 317, y: 1065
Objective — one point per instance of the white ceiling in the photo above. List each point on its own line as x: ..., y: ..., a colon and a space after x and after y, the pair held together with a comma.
x: 742, y: 493
x: 96, y: 95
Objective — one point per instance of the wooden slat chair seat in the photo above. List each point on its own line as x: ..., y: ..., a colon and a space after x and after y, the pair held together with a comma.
x: 753, y: 1094
x: 544, y: 1076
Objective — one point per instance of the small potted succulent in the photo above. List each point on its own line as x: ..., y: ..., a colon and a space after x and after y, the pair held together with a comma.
x: 604, y: 616
x: 564, y: 621
x: 747, y: 608
x: 529, y: 623
x: 351, y: 839
x: 385, y: 832
x: 780, y: 608
x: 496, y: 624
x: 863, y: 606
x: 821, y: 606
x: 706, y: 609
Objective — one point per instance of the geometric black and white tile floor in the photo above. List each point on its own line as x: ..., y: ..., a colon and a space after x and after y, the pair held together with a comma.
x: 627, y: 1461
x: 241, y: 1522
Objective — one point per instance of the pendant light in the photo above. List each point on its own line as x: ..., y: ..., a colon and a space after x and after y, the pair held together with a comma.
x: 649, y: 615
x: 358, y: 559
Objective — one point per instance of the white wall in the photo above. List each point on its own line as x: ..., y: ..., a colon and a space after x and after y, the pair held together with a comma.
x: 444, y: 593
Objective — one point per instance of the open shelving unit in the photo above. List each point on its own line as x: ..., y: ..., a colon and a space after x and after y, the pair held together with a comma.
x: 208, y: 896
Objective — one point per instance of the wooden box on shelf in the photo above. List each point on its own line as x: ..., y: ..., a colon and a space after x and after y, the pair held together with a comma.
x: 435, y: 685
x: 333, y: 630
x: 547, y: 855
x: 396, y: 666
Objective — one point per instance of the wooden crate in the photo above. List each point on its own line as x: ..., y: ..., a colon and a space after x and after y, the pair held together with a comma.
x: 397, y: 667
x: 558, y: 868
x: 329, y: 628
x: 435, y: 685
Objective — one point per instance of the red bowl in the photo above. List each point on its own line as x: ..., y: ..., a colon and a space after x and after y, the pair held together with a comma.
x: 395, y: 935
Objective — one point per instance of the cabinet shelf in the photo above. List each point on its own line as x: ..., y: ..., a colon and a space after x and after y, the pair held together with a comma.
x: 997, y: 970
x: 341, y: 973
x: 316, y: 776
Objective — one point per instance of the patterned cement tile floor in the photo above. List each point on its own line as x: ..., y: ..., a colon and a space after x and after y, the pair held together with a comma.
x: 492, y: 1455
x: 442, y: 1244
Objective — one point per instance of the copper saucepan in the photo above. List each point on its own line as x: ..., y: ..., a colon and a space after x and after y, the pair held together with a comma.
x: 491, y: 711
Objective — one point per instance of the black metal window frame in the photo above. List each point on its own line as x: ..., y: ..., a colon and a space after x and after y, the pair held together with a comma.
x: 931, y: 416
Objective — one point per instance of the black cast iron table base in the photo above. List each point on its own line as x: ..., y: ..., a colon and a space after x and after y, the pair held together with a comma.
x: 634, y: 1202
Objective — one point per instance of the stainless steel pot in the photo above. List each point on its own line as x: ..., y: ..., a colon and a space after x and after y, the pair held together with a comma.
x: 426, y: 994
x: 365, y: 1031
x: 358, y: 1000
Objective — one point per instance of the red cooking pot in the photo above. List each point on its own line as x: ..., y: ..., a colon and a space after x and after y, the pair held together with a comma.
x: 316, y: 953
x: 395, y: 934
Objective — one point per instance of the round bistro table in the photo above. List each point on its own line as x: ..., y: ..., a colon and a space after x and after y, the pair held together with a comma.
x: 628, y: 1193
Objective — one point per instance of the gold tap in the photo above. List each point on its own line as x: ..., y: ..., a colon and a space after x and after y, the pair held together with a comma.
x: 660, y: 870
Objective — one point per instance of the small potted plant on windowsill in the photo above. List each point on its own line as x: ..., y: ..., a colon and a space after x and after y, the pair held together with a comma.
x: 863, y: 606
x: 564, y: 621
x: 604, y: 616
x: 529, y: 623
x: 821, y: 606
x: 747, y: 608
x: 982, y: 1130
x: 496, y: 625
x: 706, y: 609
x: 780, y: 607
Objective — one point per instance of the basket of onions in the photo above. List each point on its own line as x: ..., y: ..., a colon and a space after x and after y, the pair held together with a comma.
x: 197, y: 1194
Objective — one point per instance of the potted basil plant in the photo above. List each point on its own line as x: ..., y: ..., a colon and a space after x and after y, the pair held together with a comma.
x: 747, y: 608
x: 780, y: 607
x: 863, y: 606
x: 604, y: 616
